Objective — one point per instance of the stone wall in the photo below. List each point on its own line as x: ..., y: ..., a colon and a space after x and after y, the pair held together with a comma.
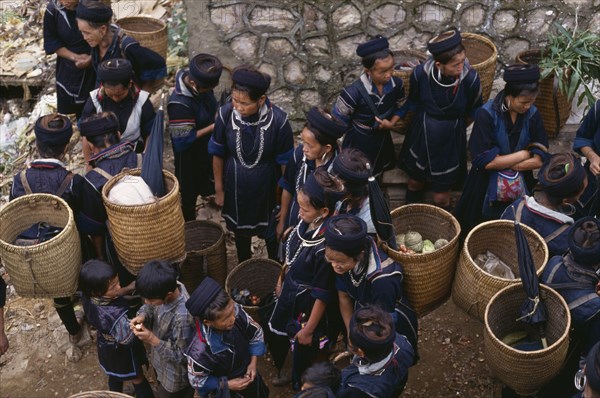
x: 308, y: 46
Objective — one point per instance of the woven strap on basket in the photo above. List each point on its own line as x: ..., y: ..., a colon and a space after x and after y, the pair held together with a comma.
x: 103, y: 173
x: 548, y: 237
x: 25, y: 183
x: 61, y: 189
x: 36, y: 284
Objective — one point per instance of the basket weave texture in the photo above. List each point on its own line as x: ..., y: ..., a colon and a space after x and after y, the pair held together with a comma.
x: 49, y: 269
x: 473, y: 287
x: 206, y: 254
x: 146, y: 232
x: 545, y: 99
x: 402, y: 125
x: 149, y: 32
x: 100, y: 394
x: 525, y: 371
x: 258, y: 275
x: 482, y: 54
x: 427, y: 277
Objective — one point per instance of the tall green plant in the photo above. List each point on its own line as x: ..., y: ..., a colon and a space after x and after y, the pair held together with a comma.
x: 574, y: 58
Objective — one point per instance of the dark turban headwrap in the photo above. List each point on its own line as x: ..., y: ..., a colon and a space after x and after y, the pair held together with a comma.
x: 562, y: 176
x: 376, y: 350
x: 349, y: 243
x: 203, y: 296
x: 205, y: 77
x: 100, y: 14
x: 325, y: 124
x: 99, y: 124
x: 521, y: 73
x: 313, y: 189
x: 437, y: 46
x: 591, y: 368
x: 115, y: 70
x: 584, y: 241
x: 347, y: 175
x: 373, y: 46
x: 253, y: 79
x: 53, y: 129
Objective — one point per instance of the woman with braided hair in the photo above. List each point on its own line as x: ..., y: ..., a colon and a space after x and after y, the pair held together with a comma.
x: 550, y: 210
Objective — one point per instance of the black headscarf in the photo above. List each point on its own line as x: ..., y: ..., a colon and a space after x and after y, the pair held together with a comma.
x: 436, y: 46
x: 562, y: 175
x: 584, y: 241
x: 115, y: 70
x: 53, y: 129
x: 203, y: 296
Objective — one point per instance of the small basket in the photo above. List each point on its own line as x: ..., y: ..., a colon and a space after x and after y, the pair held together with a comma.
x: 525, y: 371
x: 100, y: 394
x: 149, y: 32
x: 482, y: 54
x: 258, y: 275
x: 49, y: 269
x: 401, y: 127
x: 146, y: 232
x: 553, y: 105
x: 206, y: 254
x: 427, y: 277
x: 473, y: 287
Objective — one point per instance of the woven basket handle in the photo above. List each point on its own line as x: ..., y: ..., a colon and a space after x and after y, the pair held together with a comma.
x: 29, y: 262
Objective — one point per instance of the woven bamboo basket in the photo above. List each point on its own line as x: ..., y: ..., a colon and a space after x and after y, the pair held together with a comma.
x: 100, y: 394
x: 473, y: 288
x: 206, y: 254
x: 49, y: 269
x: 482, y: 54
x: 525, y: 371
x: 258, y: 275
x: 146, y: 232
x: 149, y: 32
x: 427, y: 277
x: 553, y: 105
x: 401, y: 56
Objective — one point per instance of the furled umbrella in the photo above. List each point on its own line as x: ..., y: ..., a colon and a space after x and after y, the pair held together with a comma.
x: 533, y: 310
x: 380, y: 214
x: 152, y: 166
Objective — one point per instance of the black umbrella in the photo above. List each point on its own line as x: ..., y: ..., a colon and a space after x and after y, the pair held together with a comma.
x: 152, y: 166
x: 533, y: 310
x: 380, y: 214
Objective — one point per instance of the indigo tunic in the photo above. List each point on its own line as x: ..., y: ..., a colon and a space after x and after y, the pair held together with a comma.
x: 588, y: 134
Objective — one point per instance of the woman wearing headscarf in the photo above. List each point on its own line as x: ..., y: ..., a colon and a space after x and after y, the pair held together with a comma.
x: 192, y: 108
x: 575, y: 277
x: 548, y: 211
x: 75, y: 76
x: 587, y: 143
x: 108, y: 41
x: 366, y: 275
x: 444, y: 93
x: 318, y: 148
x: 507, y: 143
x: 251, y: 143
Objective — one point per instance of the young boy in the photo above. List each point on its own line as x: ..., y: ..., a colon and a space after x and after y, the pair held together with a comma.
x: 222, y: 357
x: 120, y: 353
x: 164, y: 323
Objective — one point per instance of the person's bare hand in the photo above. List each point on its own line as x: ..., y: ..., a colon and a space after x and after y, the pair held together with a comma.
x: 239, y: 383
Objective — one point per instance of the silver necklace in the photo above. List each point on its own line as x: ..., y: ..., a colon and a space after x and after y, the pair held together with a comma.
x: 303, y: 243
x: 356, y: 283
x: 238, y: 143
x: 442, y: 84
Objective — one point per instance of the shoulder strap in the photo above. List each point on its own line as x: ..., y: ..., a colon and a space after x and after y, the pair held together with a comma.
x: 139, y: 160
x: 363, y: 93
x: 26, y: 187
x: 556, y: 232
x: 64, y: 184
x: 102, y: 172
x: 519, y: 211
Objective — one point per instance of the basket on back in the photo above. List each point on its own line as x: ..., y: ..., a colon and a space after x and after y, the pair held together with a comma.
x: 149, y: 32
x: 401, y: 58
x: 100, y: 394
x: 553, y: 105
x: 206, y: 254
x: 481, y: 53
x: 427, y: 277
x: 258, y: 275
x: 525, y: 371
x: 49, y: 269
x: 153, y: 231
x: 473, y: 287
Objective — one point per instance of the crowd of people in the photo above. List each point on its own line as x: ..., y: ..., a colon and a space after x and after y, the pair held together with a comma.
x: 311, y: 203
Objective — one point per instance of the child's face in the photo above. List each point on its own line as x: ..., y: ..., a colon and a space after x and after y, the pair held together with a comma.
x: 225, y: 319
x: 113, y: 288
x: 154, y: 301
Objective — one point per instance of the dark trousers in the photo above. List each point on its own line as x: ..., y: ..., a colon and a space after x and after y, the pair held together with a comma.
x: 142, y: 390
x: 187, y: 392
x: 243, y: 247
x: 66, y: 313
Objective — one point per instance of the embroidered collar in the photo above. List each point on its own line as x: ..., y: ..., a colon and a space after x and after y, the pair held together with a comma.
x: 372, y: 90
x: 263, y: 115
x: 47, y: 163
x: 545, y: 212
x: 377, y: 367
x: 214, y: 338
x: 113, y: 152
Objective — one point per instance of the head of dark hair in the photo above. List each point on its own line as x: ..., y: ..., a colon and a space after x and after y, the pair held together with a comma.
x: 218, y: 304
x: 206, y: 63
x: 332, y: 186
x: 323, y: 374
x: 107, y: 139
x: 369, y: 61
x: 349, y: 225
x: 50, y: 151
x: 356, y: 161
x: 115, y: 83
x: 373, y: 324
x: 446, y: 56
x: 253, y: 92
x: 156, y: 279
x: 95, y: 5
x: 95, y: 277
x: 526, y: 89
x: 324, y: 139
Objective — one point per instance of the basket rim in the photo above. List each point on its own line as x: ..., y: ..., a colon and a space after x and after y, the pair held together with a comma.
x: 487, y: 42
x: 119, y: 21
x: 44, y: 197
x: 244, y: 263
x: 137, y: 172
x: 210, y: 223
x: 437, y: 209
x: 551, y: 347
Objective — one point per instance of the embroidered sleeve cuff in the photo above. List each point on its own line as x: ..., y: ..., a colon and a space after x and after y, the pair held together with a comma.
x: 484, y: 158
x: 258, y: 348
x: 283, y: 158
x: 284, y: 184
x: 211, y: 384
x: 581, y: 142
x: 216, y: 149
x: 321, y: 294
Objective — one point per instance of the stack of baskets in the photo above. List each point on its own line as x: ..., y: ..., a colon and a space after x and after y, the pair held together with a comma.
x: 525, y: 371
x: 473, y: 288
x: 553, y: 105
x: 401, y: 56
x: 482, y: 54
x: 206, y: 254
x: 427, y: 277
x: 146, y: 232
x: 259, y: 275
x: 49, y: 269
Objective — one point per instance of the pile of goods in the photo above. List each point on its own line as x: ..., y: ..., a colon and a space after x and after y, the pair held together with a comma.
x: 491, y: 264
x: 412, y: 243
x: 522, y: 341
x: 244, y: 297
x: 36, y: 234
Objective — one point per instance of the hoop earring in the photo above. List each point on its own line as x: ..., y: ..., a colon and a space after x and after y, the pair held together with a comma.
x: 439, y: 75
x: 504, y: 107
x: 568, y: 209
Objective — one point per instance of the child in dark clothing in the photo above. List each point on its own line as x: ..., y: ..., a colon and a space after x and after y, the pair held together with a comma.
x: 222, y: 357
x: 120, y: 353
